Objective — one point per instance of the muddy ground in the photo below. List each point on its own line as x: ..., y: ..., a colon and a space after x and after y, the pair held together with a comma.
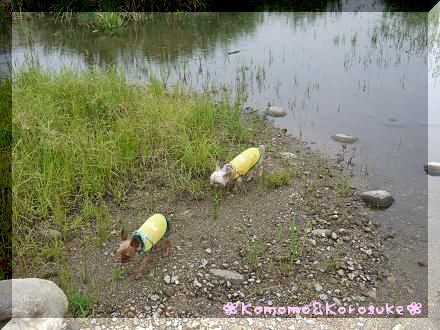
x: 339, y: 257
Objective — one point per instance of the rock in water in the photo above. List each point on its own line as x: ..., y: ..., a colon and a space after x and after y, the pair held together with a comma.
x: 432, y: 168
x: 31, y: 298
x: 345, y: 138
x: 227, y: 275
x: 378, y: 198
x: 275, y: 112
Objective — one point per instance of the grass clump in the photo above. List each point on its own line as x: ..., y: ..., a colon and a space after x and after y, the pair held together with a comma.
x: 277, y: 179
x: 80, y: 136
x: 255, y: 249
x: 79, y: 305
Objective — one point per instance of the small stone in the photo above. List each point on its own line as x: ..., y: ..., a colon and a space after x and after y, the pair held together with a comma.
x: 227, y: 275
x: 334, y: 236
x: 321, y: 232
x: 208, y: 250
x: 318, y: 287
x: 167, y: 279
x: 432, y: 168
x: 340, y: 272
x: 342, y: 138
x: 323, y: 297
x: 372, y: 293
x: 270, y: 303
x: 273, y: 111
x: 203, y: 263
x: 337, y: 301
x: 378, y: 198
x: 154, y: 297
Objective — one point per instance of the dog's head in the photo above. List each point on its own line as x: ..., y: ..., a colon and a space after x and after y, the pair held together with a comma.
x: 128, y: 247
x: 221, y: 176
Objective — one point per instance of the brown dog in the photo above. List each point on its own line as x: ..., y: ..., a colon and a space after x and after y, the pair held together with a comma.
x: 147, y: 238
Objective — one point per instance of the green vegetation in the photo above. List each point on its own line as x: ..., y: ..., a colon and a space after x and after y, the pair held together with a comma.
x: 117, y: 274
x: 293, y: 241
x: 79, y: 304
x: 343, y: 186
x: 79, y: 136
x: 255, y: 249
x: 277, y: 179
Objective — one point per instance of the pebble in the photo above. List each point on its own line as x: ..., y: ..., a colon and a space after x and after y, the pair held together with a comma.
x: 323, y: 296
x: 342, y: 138
x: 167, y: 279
x: 334, y: 235
x: 208, y: 250
x: 318, y: 287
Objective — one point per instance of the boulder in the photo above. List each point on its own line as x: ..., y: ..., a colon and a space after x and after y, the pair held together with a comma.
x: 35, y: 323
x: 432, y: 168
x: 342, y: 138
x: 272, y: 111
x: 378, y: 198
x: 227, y: 275
x: 31, y: 298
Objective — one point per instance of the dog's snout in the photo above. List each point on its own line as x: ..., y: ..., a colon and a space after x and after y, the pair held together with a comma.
x: 125, y: 259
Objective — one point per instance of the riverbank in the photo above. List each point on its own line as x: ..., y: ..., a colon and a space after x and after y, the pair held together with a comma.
x: 93, y: 153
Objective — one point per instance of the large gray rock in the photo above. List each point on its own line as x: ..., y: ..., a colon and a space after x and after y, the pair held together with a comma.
x: 275, y: 112
x: 378, y: 198
x: 342, y: 138
x: 31, y: 298
x: 35, y: 323
x: 227, y: 275
x: 432, y: 168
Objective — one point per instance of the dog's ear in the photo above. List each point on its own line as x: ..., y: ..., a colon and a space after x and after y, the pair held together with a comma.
x: 228, y: 169
x: 124, y: 233
x: 135, y: 242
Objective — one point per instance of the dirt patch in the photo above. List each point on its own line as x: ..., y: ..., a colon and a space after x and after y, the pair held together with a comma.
x: 308, y: 240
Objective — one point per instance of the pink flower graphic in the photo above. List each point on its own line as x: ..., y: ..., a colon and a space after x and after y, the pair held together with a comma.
x: 230, y: 308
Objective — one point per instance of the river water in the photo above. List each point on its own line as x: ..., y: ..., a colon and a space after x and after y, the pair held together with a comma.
x: 362, y: 74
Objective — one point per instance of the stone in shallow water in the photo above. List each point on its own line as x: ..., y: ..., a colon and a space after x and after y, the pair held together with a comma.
x: 275, y: 112
x: 227, y: 275
x: 344, y: 138
x: 378, y: 198
x: 432, y: 168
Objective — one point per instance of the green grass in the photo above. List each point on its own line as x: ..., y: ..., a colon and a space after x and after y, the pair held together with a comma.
x: 79, y: 304
x: 117, y: 274
x: 277, y: 179
x: 343, y: 186
x: 79, y: 136
x: 293, y: 241
x: 255, y: 249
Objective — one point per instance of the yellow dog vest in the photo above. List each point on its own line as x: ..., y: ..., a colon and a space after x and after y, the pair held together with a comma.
x: 244, y: 162
x: 152, y: 231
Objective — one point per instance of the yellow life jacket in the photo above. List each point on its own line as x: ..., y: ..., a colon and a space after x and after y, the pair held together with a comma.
x: 152, y: 231
x: 244, y: 162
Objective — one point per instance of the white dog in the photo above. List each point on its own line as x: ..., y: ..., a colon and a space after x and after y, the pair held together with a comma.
x: 238, y: 167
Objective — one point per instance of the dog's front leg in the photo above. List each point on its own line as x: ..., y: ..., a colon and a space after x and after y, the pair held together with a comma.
x: 238, y: 185
x: 167, y: 244
x: 143, y: 265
